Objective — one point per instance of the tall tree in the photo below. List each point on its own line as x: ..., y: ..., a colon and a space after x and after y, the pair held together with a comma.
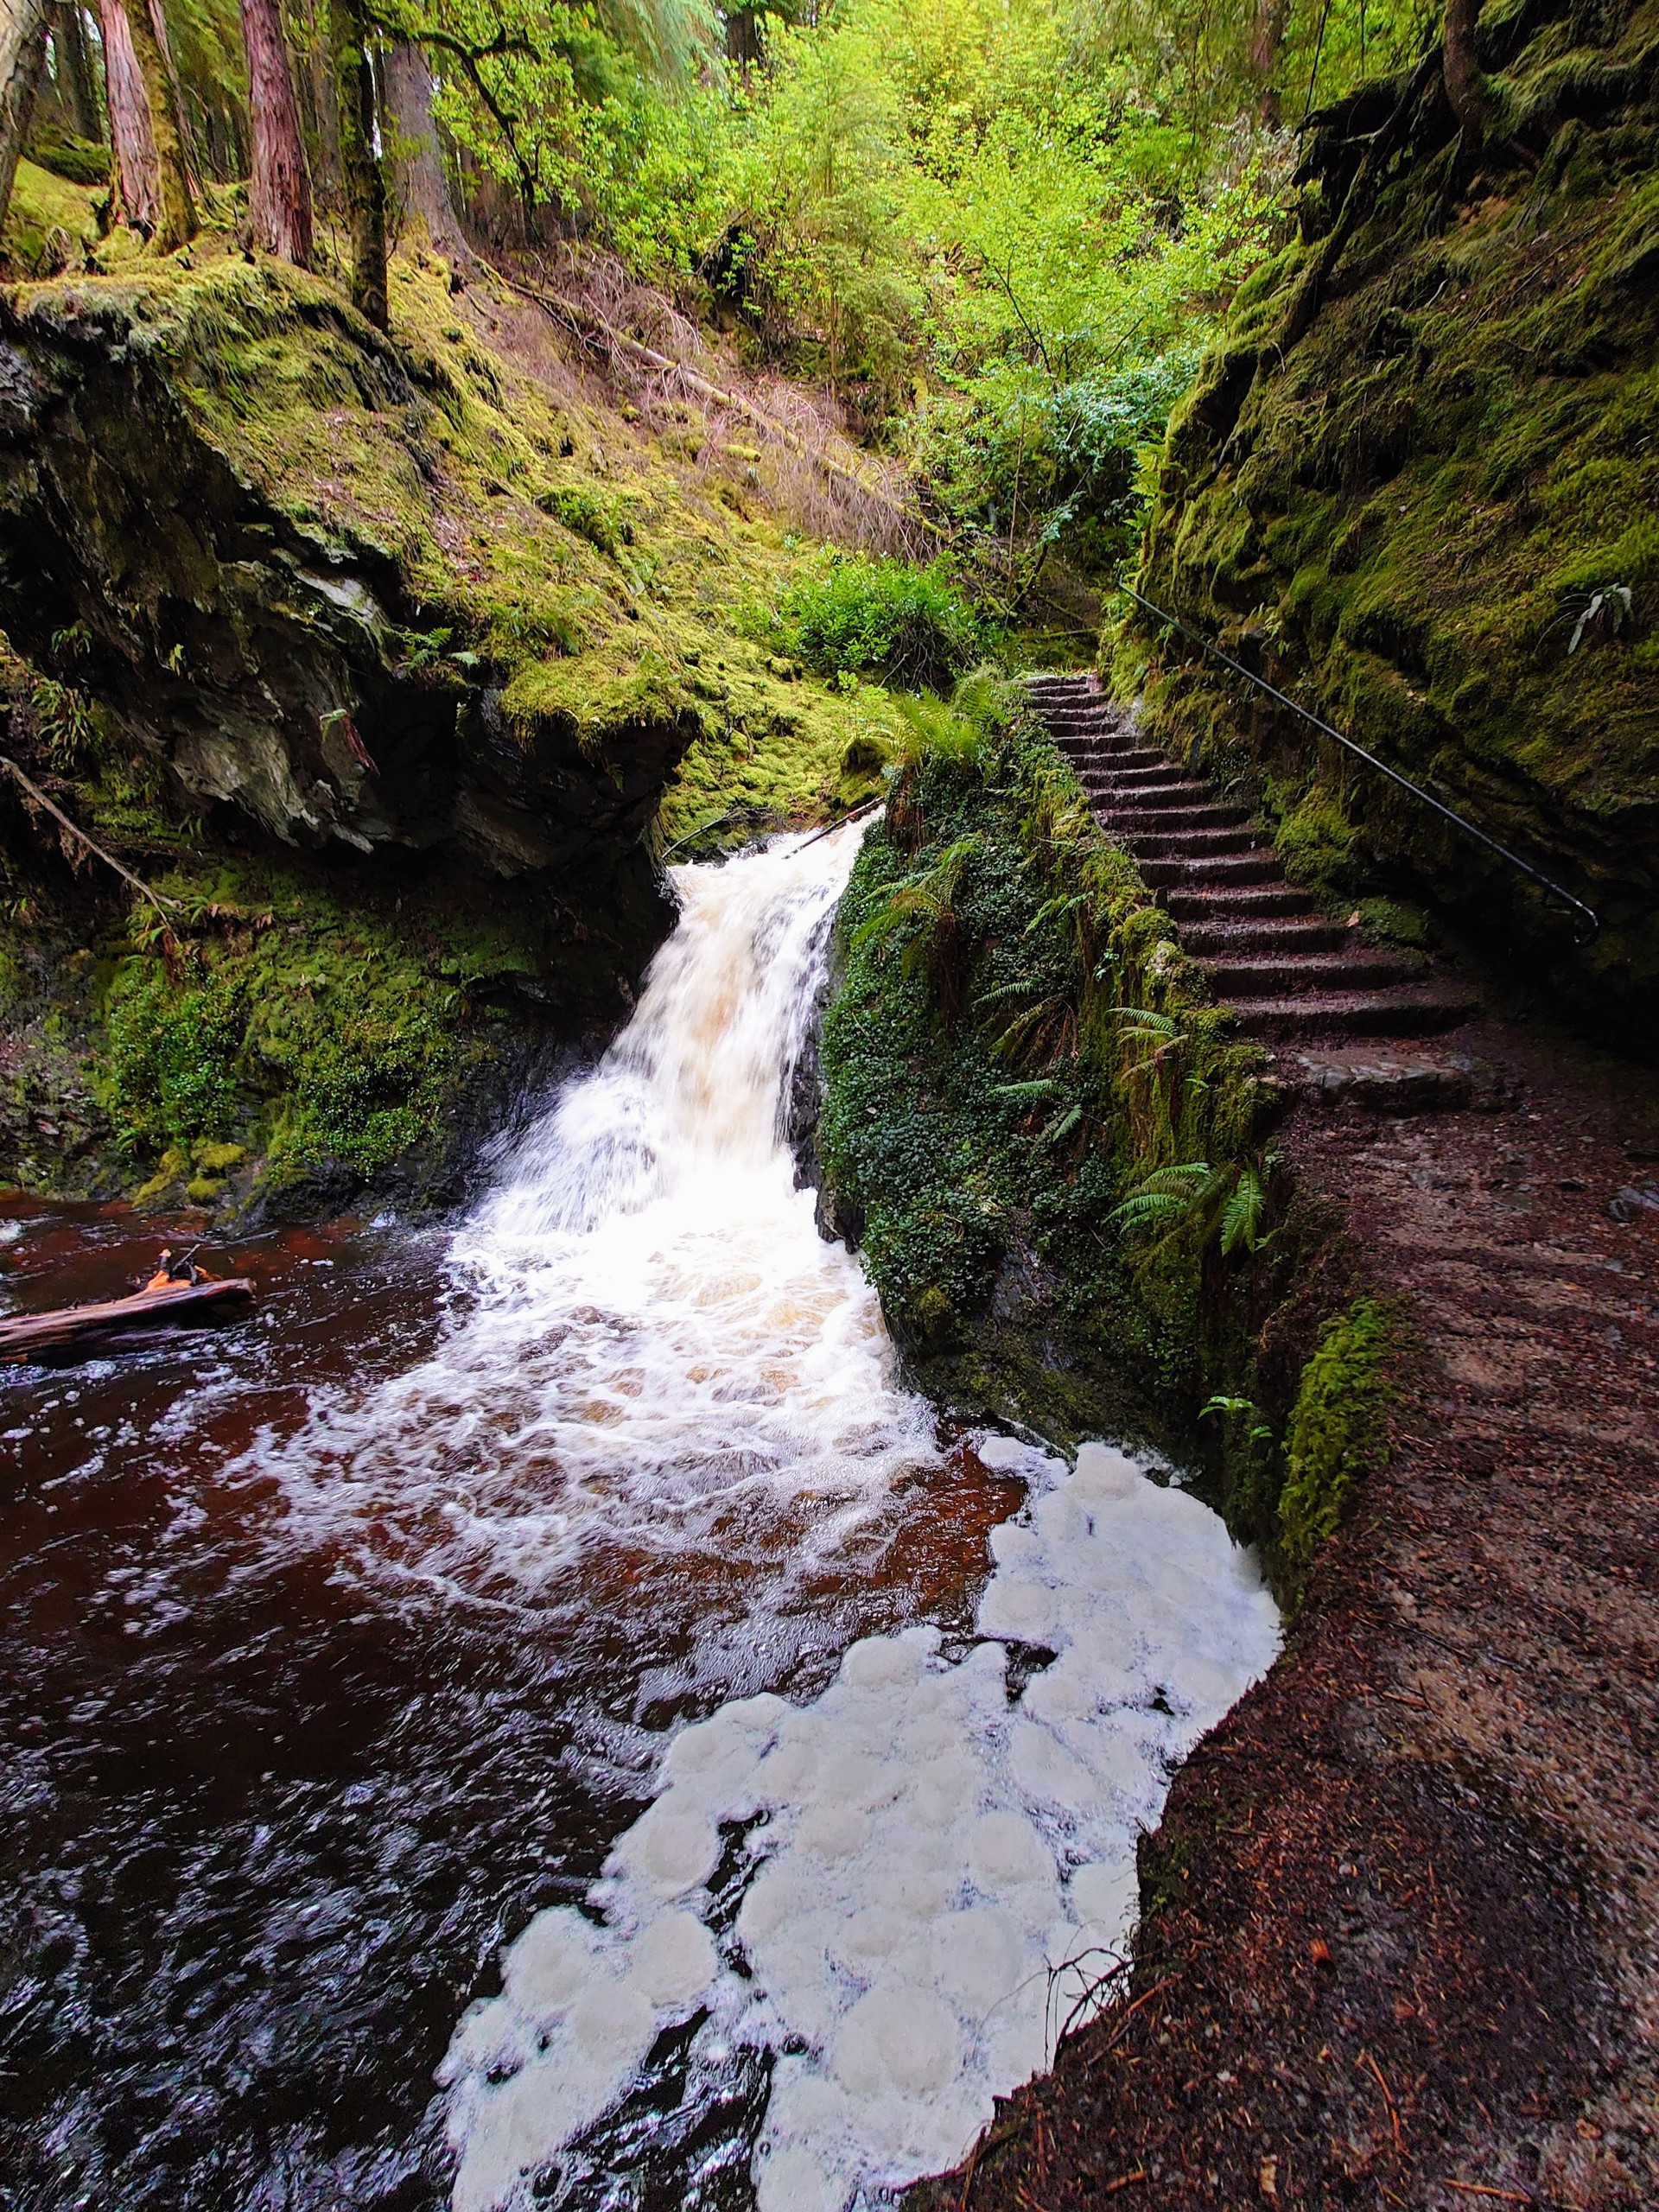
x: 176, y: 225
x: 23, y: 59
x: 138, y: 202
x: 422, y: 181
x: 77, y: 90
x: 1266, y: 40
x: 365, y: 180
x: 279, y: 192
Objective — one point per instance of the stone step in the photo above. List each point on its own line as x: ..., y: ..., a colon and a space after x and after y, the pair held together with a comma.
x: 1266, y: 975
x: 1219, y: 871
x: 1172, y: 813
x: 1152, y: 777
x: 1272, y: 934
x: 1286, y: 971
x: 1159, y: 843
x: 1124, y: 761
x: 1413, y: 1010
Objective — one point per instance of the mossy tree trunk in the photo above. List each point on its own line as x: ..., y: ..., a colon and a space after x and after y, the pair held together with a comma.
x: 23, y: 60
x: 279, y: 192
x: 138, y: 201
x: 176, y: 224
x: 422, y: 181
x: 361, y: 174
x: 1466, y: 81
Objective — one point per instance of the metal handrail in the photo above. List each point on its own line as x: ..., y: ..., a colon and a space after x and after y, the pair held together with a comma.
x: 1370, y: 759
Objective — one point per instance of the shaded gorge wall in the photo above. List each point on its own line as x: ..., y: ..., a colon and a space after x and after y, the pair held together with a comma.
x: 1417, y: 486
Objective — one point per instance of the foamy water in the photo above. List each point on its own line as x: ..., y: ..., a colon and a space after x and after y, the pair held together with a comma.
x: 942, y: 1877
x: 888, y: 1900
x: 661, y: 1352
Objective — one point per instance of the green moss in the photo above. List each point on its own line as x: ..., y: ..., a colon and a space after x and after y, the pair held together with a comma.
x: 1395, y: 517
x: 1316, y: 840
x: 775, y: 748
x: 50, y: 220
x: 79, y: 161
x: 1338, y: 1425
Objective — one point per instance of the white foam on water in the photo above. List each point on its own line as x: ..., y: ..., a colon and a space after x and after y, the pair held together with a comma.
x: 940, y: 1877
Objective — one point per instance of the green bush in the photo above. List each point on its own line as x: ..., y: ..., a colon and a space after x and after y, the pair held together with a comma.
x: 858, y: 615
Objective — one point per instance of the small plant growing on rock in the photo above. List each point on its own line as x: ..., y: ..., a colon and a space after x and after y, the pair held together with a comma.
x: 1603, y: 612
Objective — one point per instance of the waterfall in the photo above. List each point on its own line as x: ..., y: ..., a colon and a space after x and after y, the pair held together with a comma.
x: 656, y: 1348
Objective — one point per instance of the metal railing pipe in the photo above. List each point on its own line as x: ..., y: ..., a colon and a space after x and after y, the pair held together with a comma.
x: 1450, y: 814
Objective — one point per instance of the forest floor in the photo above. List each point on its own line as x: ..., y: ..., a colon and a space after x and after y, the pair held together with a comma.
x: 1399, y: 1946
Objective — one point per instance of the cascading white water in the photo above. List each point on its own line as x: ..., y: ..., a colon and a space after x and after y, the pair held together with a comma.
x: 661, y: 1353
x: 648, y: 1527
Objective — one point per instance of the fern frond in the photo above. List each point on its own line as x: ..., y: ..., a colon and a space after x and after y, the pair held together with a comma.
x: 1040, y: 1087
x: 1241, y: 1217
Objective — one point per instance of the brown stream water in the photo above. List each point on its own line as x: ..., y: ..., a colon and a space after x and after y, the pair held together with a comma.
x: 338, y: 1643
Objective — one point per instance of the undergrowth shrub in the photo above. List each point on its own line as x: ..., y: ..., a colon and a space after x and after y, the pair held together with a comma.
x: 304, y: 1033
x: 1014, y: 1041
x: 173, y: 1050
x: 858, y: 615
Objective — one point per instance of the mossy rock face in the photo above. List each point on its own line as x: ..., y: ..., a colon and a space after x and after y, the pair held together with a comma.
x: 316, y: 679
x: 1432, y: 515
x: 396, y: 668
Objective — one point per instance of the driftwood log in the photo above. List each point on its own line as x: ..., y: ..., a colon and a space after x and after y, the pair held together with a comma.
x: 83, y: 1331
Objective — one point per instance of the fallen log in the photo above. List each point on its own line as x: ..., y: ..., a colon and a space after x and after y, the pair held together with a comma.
x: 82, y: 1331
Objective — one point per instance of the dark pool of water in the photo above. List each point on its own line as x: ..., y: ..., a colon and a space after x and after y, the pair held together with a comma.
x: 266, y: 1821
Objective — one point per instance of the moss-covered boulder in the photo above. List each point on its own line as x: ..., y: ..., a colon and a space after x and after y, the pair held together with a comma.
x: 1418, y: 486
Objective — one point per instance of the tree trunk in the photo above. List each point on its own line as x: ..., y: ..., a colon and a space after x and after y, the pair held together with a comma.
x: 362, y: 176
x: 279, y: 192
x: 1266, y: 38
x: 76, y: 87
x: 422, y: 180
x: 743, y: 48
x: 133, y: 167
x: 176, y: 225
x: 1466, y: 82
x: 23, y: 60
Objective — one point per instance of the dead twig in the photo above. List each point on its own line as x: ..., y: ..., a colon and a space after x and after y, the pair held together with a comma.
x: 1480, y: 2188
x: 33, y: 792
x: 1366, y: 2059
x: 1124, y: 2181
x: 1123, y: 2028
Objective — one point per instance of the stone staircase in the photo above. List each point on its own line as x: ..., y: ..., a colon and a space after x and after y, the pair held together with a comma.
x: 1288, y: 973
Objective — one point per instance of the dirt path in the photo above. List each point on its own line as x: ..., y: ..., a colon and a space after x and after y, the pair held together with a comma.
x: 1403, y: 1944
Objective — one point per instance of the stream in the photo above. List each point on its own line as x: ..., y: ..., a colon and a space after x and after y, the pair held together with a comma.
x: 539, y: 1711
